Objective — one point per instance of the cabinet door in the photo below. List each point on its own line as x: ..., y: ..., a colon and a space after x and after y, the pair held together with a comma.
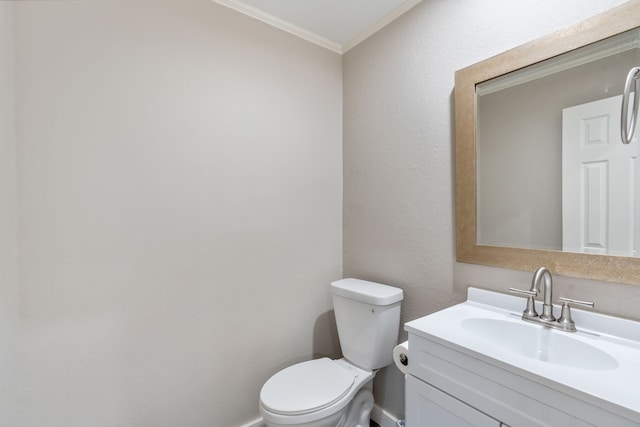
x: 429, y: 407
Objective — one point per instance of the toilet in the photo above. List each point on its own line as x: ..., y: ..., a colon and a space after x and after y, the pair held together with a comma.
x: 339, y: 393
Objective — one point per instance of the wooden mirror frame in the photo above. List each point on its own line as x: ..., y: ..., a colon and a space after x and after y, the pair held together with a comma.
x: 597, y: 267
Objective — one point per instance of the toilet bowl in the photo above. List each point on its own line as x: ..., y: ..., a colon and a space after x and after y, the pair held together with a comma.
x: 338, y: 393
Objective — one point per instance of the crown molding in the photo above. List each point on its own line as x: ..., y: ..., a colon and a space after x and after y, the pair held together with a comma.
x: 378, y: 25
x: 274, y: 21
x: 281, y: 24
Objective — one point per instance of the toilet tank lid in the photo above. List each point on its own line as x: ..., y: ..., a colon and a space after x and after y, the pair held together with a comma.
x: 367, y: 292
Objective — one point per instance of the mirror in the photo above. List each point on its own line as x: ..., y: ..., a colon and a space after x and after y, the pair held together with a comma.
x: 509, y: 165
x: 533, y: 148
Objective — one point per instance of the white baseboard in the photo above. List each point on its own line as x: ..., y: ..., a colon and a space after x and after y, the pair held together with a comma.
x: 255, y: 423
x: 379, y: 415
x: 383, y: 418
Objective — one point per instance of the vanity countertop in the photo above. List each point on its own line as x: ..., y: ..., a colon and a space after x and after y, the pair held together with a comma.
x: 599, y: 364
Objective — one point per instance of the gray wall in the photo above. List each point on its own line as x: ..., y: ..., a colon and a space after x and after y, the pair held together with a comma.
x: 398, y: 155
x: 8, y: 224
x: 180, y: 186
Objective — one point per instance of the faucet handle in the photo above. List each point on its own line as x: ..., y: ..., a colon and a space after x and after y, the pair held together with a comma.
x: 529, y: 312
x: 532, y: 294
x: 565, y: 319
x: 577, y: 302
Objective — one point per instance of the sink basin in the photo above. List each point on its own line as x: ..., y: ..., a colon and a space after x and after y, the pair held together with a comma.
x: 540, y: 343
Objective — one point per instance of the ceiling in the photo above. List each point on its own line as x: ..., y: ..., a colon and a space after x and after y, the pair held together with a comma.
x: 337, y: 25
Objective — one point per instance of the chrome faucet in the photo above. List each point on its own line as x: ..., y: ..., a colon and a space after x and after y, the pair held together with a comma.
x: 565, y: 322
x: 547, y: 307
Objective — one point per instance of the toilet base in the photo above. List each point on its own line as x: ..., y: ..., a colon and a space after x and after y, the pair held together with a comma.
x: 359, y: 410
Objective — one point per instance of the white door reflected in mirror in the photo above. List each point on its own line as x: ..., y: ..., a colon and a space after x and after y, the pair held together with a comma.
x: 600, y: 182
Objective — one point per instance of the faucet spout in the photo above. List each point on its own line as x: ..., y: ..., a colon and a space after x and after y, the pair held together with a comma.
x: 547, y: 307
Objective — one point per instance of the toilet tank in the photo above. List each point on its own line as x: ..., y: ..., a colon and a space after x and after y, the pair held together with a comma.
x: 368, y: 320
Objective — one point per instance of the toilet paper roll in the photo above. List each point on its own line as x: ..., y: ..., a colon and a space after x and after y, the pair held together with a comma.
x: 401, y: 356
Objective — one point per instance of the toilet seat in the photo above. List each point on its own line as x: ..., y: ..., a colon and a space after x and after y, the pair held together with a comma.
x: 306, y: 387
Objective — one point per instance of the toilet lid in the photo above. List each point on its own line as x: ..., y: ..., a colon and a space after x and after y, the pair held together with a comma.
x: 306, y: 387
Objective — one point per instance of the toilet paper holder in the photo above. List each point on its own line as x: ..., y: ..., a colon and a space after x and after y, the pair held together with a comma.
x: 404, y: 359
x: 400, y: 356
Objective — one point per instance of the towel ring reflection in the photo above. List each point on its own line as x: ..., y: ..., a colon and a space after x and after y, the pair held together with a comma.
x: 628, y: 129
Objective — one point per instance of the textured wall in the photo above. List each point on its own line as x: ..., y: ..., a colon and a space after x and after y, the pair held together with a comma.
x: 398, y: 154
x: 180, y: 186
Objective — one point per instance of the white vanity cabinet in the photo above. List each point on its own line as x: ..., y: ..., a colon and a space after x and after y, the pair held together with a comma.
x: 449, y: 388
x: 428, y: 406
x: 457, y: 379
